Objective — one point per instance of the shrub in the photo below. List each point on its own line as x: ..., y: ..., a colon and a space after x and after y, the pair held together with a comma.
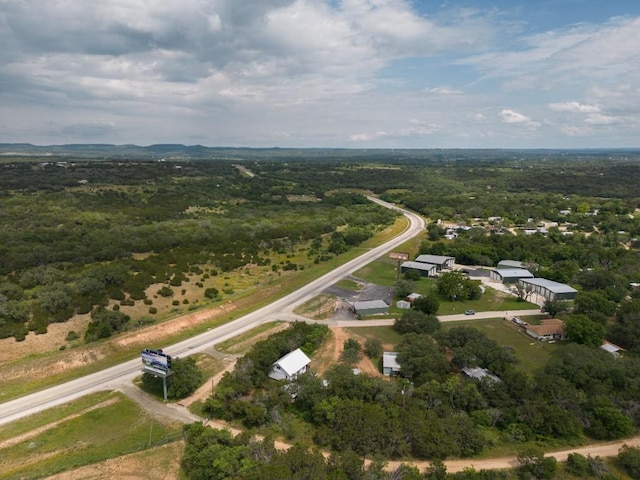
x: 211, y: 293
x: 153, y: 310
x: 72, y: 335
x: 165, y: 292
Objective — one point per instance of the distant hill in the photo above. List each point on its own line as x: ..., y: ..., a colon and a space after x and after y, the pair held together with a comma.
x: 175, y: 152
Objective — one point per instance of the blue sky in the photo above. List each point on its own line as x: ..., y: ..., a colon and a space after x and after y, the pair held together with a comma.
x: 322, y: 73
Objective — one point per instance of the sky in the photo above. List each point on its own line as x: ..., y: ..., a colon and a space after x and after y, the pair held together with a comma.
x: 322, y: 73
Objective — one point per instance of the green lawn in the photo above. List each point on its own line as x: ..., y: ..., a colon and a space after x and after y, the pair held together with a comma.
x: 532, y: 355
x: 347, y: 284
x: 91, y: 429
x: 387, y: 335
x: 489, y: 301
x: 381, y: 271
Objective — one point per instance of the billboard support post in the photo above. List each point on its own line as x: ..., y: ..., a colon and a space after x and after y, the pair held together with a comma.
x: 400, y: 257
x: 164, y: 388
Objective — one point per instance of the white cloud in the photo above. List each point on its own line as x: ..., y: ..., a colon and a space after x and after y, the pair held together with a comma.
x: 576, y: 131
x: 512, y: 117
x: 573, y: 107
x: 366, y: 137
x: 443, y: 91
x: 600, y: 119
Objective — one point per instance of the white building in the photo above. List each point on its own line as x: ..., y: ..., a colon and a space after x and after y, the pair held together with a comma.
x: 290, y: 366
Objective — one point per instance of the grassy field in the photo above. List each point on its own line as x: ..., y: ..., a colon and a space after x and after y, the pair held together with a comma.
x: 319, y: 307
x: 243, y: 342
x: 532, y: 355
x: 347, y: 284
x: 89, y: 430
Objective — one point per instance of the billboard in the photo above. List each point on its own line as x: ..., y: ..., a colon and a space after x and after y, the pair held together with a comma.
x: 155, y: 361
x: 398, y: 256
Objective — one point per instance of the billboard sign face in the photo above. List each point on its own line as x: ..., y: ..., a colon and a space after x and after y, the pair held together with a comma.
x: 398, y: 256
x: 155, y: 361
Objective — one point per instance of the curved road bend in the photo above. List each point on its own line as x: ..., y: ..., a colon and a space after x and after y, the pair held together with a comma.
x: 125, y: 372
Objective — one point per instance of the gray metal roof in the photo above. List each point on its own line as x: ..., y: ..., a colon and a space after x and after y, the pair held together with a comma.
x: 418, y: 265
x: 514, y: 273
x: 478, y: 373
x: 510, y: 264
x: 370, y: 304
x: 555, y: 287
x: 435, y: 259
x: 389, y: 360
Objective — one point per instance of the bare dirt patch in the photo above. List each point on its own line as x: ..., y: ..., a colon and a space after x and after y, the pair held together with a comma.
x: 52, y: 340
x: 329, y: 353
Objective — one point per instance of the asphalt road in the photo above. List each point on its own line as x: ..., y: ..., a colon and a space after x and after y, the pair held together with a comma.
x: 114, y: 377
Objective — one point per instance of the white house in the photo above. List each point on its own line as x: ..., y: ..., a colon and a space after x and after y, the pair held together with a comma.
x: 390, y: 365
x: 289, y: 366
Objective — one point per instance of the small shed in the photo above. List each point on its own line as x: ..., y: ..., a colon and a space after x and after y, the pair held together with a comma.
x: 403, y: 304
x: 480, y: 373
x: 371, y: 307
x: 440, y: 261
x: 390, y: 365
x: 412, y: 297
x: 549, y: 329
x: 510, y: 275
x: 611, y: 348
x: 425, y: 269
x: 290, y: 366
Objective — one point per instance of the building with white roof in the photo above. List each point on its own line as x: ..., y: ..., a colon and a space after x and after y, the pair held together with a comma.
x: 390, y: 365
x: 290, y: 366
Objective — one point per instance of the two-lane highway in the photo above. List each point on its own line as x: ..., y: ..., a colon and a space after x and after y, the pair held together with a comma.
x: 115, y: 376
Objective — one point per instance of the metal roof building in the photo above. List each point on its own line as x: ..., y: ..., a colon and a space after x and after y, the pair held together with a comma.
x: 371, y: 307
x: 548, y: 288
x: 440, y: 261
x: 510, y: 264
x: 390, y: 365
x: 425, y: 269
x: 480, y: 373
x: 510, y: 275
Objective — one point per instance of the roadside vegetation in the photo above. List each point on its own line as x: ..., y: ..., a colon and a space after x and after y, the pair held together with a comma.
x: 97, y: 427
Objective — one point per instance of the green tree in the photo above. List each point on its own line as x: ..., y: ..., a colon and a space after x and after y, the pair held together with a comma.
x: 211, y: 293
x: 533, y: 464
x: 404, y: 288
x: 555, y: 307
x: 629, y: 460
x: 373, y: 348
x: 420, y: 359
x: 428, y: 304
x: 581, y: 329
x: 415, y: 321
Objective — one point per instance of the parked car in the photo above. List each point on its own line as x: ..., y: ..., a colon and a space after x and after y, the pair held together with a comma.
x: 470, y: 312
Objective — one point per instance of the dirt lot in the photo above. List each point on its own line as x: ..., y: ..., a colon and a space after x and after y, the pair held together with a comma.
x: 329, y: 353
